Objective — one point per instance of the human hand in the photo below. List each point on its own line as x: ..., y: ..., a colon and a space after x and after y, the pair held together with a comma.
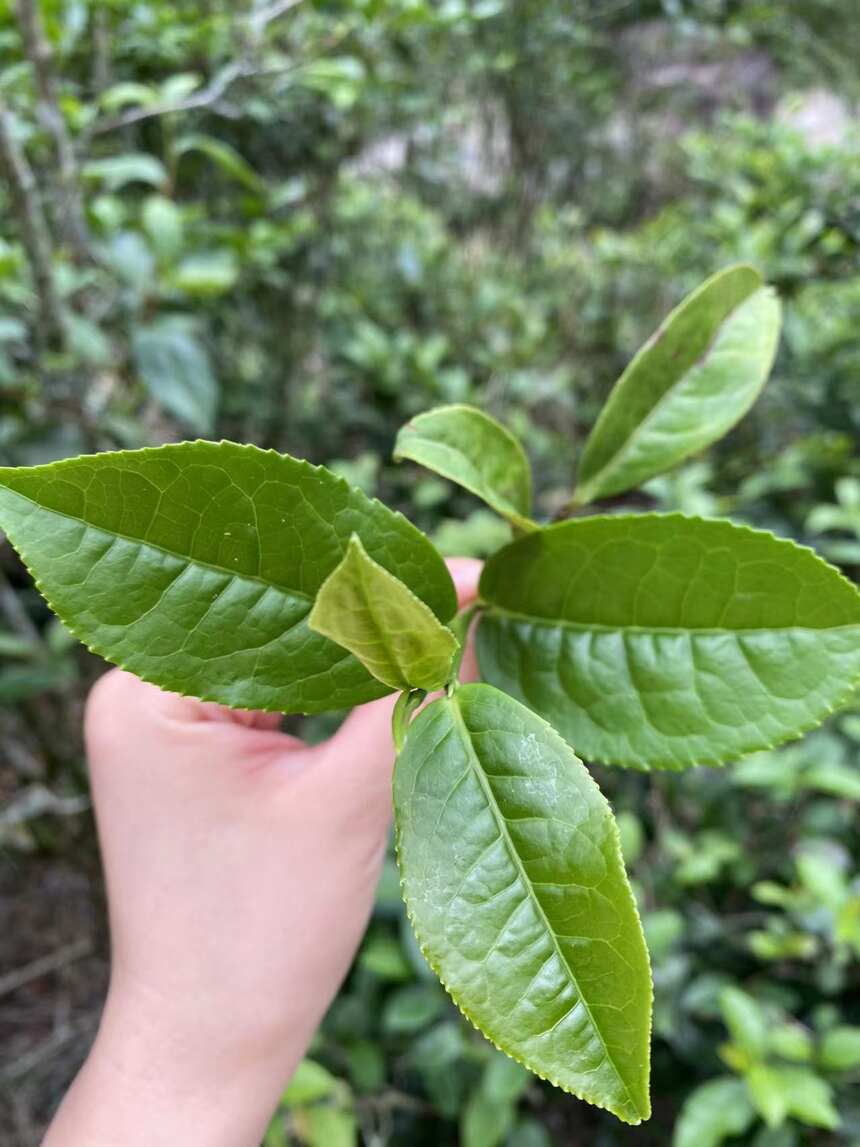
x: 240, y: 867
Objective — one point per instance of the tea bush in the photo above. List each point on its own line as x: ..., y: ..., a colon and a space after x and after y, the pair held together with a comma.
x: 303, y: 224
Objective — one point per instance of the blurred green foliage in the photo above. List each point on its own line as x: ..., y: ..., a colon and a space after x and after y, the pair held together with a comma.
x: 298, y: 224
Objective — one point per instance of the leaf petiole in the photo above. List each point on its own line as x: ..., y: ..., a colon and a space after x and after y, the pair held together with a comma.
x: 460, y: 628
x: 406, y: 705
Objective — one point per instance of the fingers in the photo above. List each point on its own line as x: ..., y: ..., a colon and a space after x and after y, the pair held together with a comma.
x: 130, y: 720
x: 118, y: 696
x: 122, y: 709
x: 465, y: 573
x: 363, y: 744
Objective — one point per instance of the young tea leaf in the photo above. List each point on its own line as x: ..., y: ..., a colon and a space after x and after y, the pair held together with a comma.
x: 395, y: 636
x: 661, y: 641
x: 691, y: 382
x: 473, y: 450
x: 513, y: 880
x: 196, y: 566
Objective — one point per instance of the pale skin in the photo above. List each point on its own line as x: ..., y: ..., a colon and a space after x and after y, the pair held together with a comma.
x: 241, y: 867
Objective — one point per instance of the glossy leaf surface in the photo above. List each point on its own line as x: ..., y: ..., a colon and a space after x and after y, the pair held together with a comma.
x: 513, y: 880
x: 395, y: 636
x: 698, y: 374
x: 473, y: 450
x: 661, y: 641
x: 196, y: 566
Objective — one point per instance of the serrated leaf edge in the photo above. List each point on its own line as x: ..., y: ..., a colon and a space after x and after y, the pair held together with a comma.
x: 715, y: 761
x: 416, y: 601
x: 381, y: 690
x: 512, y: 514
x: 249, y: 448
x: 583, y: 494
x: 679, y: 516
x: 585, y: 1096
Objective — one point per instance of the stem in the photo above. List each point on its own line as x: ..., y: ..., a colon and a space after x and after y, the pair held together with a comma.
x: 460, y: 625
x: 101, y: 50
x: 34, y: 230
x: 250, y: 37
x: 406, y: 705
x: 41, y: 58
x: 522, y: 526
x: 460, y: 628
x: 579, y: 500
x: 15, y: 615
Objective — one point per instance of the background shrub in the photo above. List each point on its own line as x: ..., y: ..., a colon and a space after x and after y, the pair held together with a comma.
x: 297, y: 224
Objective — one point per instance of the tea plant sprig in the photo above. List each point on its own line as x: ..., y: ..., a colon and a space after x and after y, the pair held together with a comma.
x: 645, y: 640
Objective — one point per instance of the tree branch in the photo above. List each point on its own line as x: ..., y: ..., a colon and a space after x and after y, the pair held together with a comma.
x: 259, y: 20
x: 34, y: 230
x: 217, y: 87
x: 206, y: 96
x: 101, y: 49
x: 41, y: 58
x: 53, y: 962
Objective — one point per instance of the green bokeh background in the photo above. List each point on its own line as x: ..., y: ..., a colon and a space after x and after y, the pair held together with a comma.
x: 298, y: 224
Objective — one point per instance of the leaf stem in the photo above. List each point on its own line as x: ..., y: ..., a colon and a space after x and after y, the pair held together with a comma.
x: 406, y: 705
x: 460, y: 628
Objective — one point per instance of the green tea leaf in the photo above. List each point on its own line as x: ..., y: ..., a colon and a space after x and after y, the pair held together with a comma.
x: 366, y: 1064
x: 394, y: 635
x: 413, y: 1008
x: 662, y: 641
x: 808, y: 1097
x: 840, y: 1049
x: 223, y: 155
x: 117, y: 171
x: 162, y: 221
x: 310, y: 1083
x: 473, y: 450
x: 174, y: 366
x: 767, y: 1092
x: 196, y: 566
x: 691, y: 382
x: 504, y: 1080
x: 530, y: 1133
x: 745, y: 1020
x: 485, y: 1122
x: 385, y: 958
x: 329, y: 1127
x: 714, y: 1112
x: 790, y: 1041
x: 206, y: 274
x: 513, y: 880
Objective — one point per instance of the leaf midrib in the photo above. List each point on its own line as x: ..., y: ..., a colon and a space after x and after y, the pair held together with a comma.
x: 393, y: 666
x: 161, y: 549
x: 493, y: 610
x: 617, y: 458
x: 515, y: 857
